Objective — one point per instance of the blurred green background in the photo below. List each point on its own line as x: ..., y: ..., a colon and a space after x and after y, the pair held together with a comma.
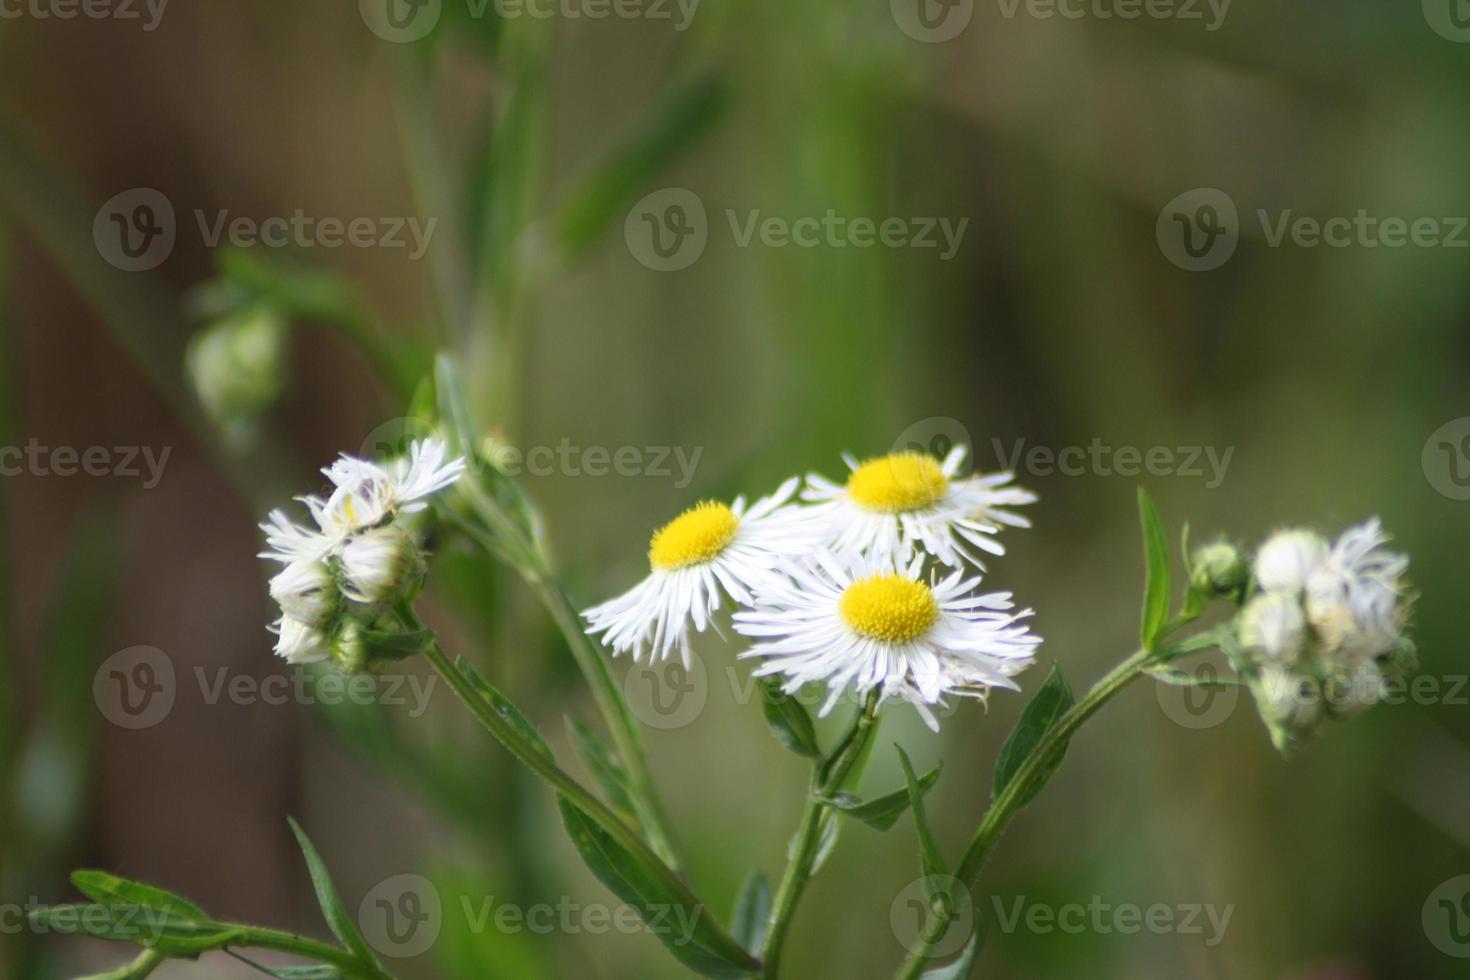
x: 1061, y: 319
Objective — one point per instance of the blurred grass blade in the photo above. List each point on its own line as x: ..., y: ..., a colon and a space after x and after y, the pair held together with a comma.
x: 606, y: 195
x: 752, y: 912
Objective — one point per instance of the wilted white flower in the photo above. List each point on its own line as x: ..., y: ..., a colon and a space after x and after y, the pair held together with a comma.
x: 893, y: 504
x: 298, y: 643
x: 379, y: 564
x: 708, y: 550
x: 1288, y: 558
x: 366, y: 493
x: 1272, y: 626
x: 1356, y: 596
x: 858, y: 624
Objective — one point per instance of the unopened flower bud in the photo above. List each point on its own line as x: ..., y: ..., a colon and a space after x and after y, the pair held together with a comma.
x: 349, y: 651
x: 298, y: 643
x: 1218, y: 570
x: 1289, y: 703
x: 306, y: 593
x: 1272, y: 627
x: 1288, y: 558
x: 237, y: 366
x: 380, y: 564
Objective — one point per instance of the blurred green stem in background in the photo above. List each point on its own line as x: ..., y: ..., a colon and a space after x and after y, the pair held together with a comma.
x: 828, y: 778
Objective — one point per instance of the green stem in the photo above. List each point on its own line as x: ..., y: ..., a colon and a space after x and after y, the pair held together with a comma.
x: 1038, y: 767
x: 258, y: 937
x: 827, y: 778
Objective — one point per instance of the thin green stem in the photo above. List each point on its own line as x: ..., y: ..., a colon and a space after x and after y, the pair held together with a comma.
x: 259, y: 937
x: 1038, y: 767
x: 828, y: 777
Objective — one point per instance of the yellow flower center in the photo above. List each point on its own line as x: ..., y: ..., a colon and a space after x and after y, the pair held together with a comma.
x: 889, y: 607
x: 696, y: 535
x: 897, y: 483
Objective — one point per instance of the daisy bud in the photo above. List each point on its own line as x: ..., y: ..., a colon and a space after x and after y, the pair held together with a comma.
x: 298, y: 643
x: 1272, y: 627
x: 237, y: 366
x: 349, y: 652
x: 381, y: 564
x: 1289, y: 703
x: 1288, y: 558
x: 306, y: 593
x: 1218, y: 570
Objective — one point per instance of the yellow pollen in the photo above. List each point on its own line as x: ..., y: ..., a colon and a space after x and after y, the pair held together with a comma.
x: 889, y: 607
x: 897, y: 483
x: 696, y: 535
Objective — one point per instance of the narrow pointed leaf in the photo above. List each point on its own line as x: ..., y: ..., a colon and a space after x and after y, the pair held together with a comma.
x: 507, y: 711
x: 154, y: 928
x: 109, y: 889
x: 1040, y: 714
x: 790, y: 721
x: 883, y: 812
x: 826, y: 844
x: 934, y: 866
x: 671, y: 911
x: 602, y: 763
x: 752, y: 912
x: 338, y: 920
x: 959, y: 968
x: 1156, y: 572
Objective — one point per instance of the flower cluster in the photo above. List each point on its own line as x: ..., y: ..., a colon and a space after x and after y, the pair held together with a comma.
x: 834, y: 587
x: 1325, y: 629
x: 360, y: 557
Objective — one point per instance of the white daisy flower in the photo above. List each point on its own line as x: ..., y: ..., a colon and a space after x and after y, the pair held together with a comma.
x: 367, y: 492
x: 859, y: 624
x: 892, y: 504
x: 297, y: 643
x: 1355, y: 596
x: 379, y: 563
x: 708, y: 550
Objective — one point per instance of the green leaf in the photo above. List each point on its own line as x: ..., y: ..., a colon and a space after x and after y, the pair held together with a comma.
x: 155, y: 928
x: 398, y: 645
x: 1037, y: 718
x: 959, y: 968
x: 826, y: 844
x: 1178, y: 677
x: 1156, y: 572
x: 148, y: 961
x: 603, y: 765
x: 883, y: 812
x: 108, y: 889
x: 335, y: 912
x: 318, y: 972
x: 752, y: 912
x: 507, y: 711
x: 789, y: 720
x: 928, y: 849
x: 670, y: 911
